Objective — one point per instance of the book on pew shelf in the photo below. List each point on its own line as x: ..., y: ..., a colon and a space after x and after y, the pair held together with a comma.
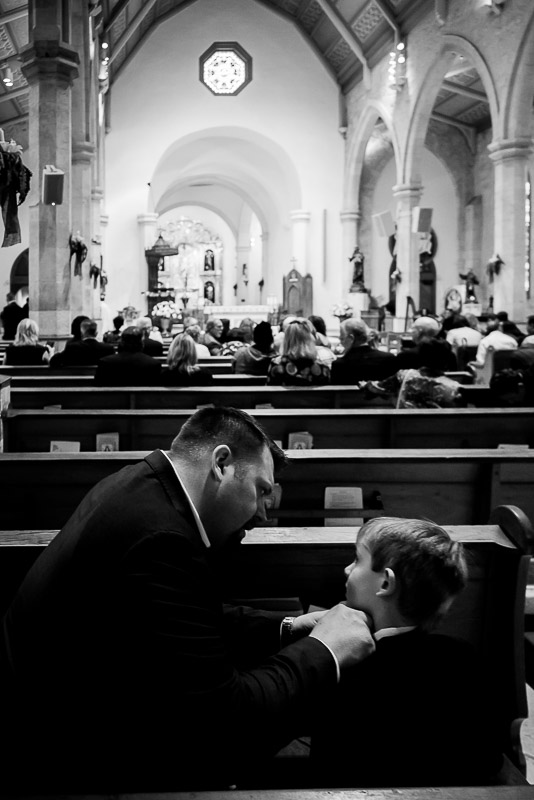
x: 513, y: 447
x: 273, y: 501
x: 55, y: 407
x: 107, y: 442
x: 343, y: 497
x: 299, y: 440
x: 206, y: 405
x: 264, y: 405
x: 64, y: 447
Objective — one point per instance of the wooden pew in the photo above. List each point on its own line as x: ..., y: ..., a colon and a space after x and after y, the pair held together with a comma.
x: 191, y: 397
x: 309, y: 563
x: 28, y: 430
x: 41, y: 490
x: 52, y: 380
x: 215, y: 365
x: 435, y: 793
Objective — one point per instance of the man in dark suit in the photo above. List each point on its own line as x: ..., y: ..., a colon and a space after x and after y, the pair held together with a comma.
x: 88, y: 350
x: 11, y: 315
x: 425, y: 330
x: 146, y: 682
x: 130, y: 366
x: 360, y: 361
x: 151, y: 347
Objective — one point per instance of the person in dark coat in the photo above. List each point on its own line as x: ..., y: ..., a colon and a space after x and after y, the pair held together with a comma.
x: 11, y: 315
x: 151, y: 346
x: 130, y: 366
x: 360, y: 361
x: 148, y: 681
x: 416, y: 712
x: 87, y: 351
x: 26, y: 349
x: 424, y: 330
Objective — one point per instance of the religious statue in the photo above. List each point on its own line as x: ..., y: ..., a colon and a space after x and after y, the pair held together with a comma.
x: 471, y: 281
x: 357, y: 276
x: 209, y: 261
x: 209, y: 292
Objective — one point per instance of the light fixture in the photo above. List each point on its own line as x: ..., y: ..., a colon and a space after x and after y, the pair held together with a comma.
x: 104, y: 45
x: 7, y: 75
x: 397, y: 67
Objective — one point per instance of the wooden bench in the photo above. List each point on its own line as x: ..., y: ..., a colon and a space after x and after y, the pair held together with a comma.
x: 215, y: 365
x: 309, y: 563
x: 41, y: 490
x: 28, y: 430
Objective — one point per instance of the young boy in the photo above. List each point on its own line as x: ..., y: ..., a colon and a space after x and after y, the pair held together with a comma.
x: 412, y: 714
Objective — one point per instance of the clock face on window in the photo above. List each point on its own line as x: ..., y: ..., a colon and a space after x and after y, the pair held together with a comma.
x: 225, y: 68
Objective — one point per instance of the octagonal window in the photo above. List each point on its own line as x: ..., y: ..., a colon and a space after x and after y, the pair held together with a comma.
x: 225, y: 68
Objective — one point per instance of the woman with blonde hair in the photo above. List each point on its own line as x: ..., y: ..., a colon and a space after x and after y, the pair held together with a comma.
x: 182, y: 367
x: 298, y: 364
x: 26, y: 349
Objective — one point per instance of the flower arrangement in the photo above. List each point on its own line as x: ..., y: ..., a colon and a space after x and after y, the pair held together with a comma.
x: 342, y: 311
x: 167, y: 309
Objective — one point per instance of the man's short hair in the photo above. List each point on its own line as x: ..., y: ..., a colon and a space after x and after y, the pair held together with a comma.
x: 357, y: 329
x: 88, y: 329
x: 530, y: 320
x: 429, y: 566
x: 131, y: 339
x: 76, y: 325
x: 209, y: 427
x: 427, y: 327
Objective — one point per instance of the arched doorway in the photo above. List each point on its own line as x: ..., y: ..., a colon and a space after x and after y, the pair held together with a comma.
x: 18, y: 279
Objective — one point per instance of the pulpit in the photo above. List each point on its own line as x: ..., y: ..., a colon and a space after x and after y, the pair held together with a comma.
x: 298, y: 294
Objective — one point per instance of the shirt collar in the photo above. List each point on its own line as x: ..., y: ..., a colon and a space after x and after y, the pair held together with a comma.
x: 385, y: 632
x: 200, y: 526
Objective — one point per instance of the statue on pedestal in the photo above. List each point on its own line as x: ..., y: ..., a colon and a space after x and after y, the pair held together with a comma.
x: 471, y: 281
x: 357, y: 275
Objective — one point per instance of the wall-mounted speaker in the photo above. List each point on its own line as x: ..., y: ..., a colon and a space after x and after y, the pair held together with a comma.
x: 384, y: 223
x: 52, y: 190
x: 421, y: 220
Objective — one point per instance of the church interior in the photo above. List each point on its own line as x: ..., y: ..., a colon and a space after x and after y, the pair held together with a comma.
x: 359, y: 161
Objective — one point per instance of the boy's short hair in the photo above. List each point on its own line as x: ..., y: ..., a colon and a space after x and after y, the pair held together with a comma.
x: 429, y: 566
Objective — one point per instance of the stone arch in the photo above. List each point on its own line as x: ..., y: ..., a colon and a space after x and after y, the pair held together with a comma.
x: 18, y: 278
x: 373, y: 111
x: 452, y: 46
x: 517, y: 108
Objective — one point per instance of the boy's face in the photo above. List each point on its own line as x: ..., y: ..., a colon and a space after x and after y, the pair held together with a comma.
x: 362, y: 582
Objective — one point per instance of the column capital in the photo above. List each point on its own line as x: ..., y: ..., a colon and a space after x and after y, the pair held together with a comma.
x: 350, y: 216
x: 147, y: 218
x: 97, y: 193
x: 104, y: 220
x: 300, y: 215
x: 46, y: 58
x: 83, y: 152
x: 510, y: 148
x: 408, y: 191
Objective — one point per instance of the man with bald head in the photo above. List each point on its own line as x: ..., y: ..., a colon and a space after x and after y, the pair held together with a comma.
x: 360, y: 361
x: 424, y: 330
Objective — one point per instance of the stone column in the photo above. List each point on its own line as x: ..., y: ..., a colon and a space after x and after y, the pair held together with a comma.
x: 97, y: 195
x: 300, y: 228
x: 265, y: 272
x: 350, y: 235
x: 407, y: 197
x: 148, y: 233
x: 81, y: 291
x: 243, y: 281
x: 50, y: 66
x: 510, y: 160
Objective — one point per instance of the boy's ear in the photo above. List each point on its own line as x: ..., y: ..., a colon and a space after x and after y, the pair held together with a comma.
x: 388, y: 585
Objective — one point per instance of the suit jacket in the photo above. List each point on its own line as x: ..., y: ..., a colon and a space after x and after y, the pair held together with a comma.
x: 123, y: 670
x: 82, y: 353
x: 413, y: 714
x: 410, y: 358
x: 128, y: 369
x: 151, y: 347
x: 363, y: 363
x: 11, y: 315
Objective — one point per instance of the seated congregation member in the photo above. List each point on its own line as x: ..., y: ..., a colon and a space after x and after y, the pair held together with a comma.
x: 512, y: 328
x: 212, y: 338
x: 148, y: 682
x: 499, y: 336
x: 114, y: 336
x: 129, y: 366
x: 279, y: 337
x: 464, y: 332
x: 56, y: 362
x: 423, y: 330
x: 26, y: 349
x: 235, y: 340
x: 413, y: 713
x: 529, y: 338
x: 195, y: 331
x: 256, y: 358
x: 87, y: 351
x: 360, y: 361
x: 298, y: 365
x: 320, y: 330
x: 182, y: 368
x: 152, y: 341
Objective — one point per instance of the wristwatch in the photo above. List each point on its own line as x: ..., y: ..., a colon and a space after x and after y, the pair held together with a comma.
x: 286, y: 630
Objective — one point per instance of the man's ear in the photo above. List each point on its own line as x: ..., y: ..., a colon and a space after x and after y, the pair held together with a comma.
x: 388, y: 585
x: 221, y: 458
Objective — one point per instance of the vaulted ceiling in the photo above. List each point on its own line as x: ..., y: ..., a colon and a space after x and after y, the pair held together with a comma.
x: 348, y: 35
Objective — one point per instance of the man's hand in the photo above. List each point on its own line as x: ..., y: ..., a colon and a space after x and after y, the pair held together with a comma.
x: 305, y: 623
x: 347, y: 633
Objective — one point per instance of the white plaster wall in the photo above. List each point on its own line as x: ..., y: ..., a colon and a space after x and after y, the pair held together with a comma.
x: 292, y: 102
x: 438, y: 194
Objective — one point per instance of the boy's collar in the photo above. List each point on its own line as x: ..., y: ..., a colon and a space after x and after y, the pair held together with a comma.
x: 385, y: 632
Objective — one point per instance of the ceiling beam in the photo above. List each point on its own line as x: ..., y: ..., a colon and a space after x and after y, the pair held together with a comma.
x: 468, y: 130
x: 4, y: 98
x: 465, y: 91
x: 14, y: 14
x: 390, y: 19
x: 348, y: 35
x: 131, y: 29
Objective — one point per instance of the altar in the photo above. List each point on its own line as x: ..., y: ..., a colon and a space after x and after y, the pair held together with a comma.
x: 237, y: 314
